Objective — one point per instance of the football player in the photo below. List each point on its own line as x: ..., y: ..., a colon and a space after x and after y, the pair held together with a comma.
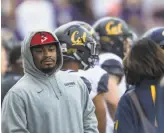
x: 80, y: 52
x: 115, y: 39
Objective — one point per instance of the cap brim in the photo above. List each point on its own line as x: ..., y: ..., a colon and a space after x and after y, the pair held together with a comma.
x: 37, y: 45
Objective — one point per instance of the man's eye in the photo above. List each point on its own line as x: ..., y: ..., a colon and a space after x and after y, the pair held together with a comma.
x: 38, y: 50
x: 52, y: 49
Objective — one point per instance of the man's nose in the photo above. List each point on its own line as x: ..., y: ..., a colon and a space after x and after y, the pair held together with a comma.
x: 46, y: 52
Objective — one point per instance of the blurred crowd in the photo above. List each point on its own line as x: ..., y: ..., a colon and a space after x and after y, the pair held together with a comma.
x: 22, y: 16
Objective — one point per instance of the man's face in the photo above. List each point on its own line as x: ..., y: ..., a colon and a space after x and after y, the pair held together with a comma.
x: 45, y: 57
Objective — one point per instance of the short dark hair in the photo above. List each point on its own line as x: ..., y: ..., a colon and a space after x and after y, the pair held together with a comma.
x: 144, y: 61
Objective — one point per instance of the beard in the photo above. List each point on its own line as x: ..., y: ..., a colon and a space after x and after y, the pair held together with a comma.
x: 48, y: 70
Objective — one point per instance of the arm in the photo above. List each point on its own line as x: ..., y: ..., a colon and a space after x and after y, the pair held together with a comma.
x: 89, y: 118
x: 112, y: 96
x: 124, y: 120
x: 13, y: 114
x: 100, y: 113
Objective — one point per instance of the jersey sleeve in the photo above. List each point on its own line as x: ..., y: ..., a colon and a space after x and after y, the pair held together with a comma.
x: 103, y: 83
x: 87, y: 83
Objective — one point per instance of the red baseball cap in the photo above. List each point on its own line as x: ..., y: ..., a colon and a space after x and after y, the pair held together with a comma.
x: 42, y: 38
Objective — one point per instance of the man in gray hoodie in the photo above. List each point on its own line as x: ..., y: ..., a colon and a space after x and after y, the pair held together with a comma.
x: 47, y: 100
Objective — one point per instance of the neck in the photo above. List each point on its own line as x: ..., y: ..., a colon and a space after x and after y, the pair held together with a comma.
x: 71, y: 65
x: 48, y: 71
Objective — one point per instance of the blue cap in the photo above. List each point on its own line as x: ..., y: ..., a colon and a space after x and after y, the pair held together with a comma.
x: 157, y: 36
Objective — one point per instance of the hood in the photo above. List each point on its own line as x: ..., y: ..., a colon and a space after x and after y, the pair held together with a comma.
x: 28, y: 63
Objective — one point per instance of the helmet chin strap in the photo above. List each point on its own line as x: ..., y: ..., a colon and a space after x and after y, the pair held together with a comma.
x: 68, y: 57
x: 82, y: 62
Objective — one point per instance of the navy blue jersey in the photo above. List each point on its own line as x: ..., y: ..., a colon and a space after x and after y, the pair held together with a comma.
x: 127, y: 118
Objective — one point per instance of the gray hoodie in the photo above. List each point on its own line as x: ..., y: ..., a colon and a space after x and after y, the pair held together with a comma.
x: 39, y: 103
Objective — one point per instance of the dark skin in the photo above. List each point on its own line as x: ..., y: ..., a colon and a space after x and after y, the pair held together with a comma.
x: 45, y: 57
x: 71, y: 65
x: 112, y: 97
x: 100, y: 112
